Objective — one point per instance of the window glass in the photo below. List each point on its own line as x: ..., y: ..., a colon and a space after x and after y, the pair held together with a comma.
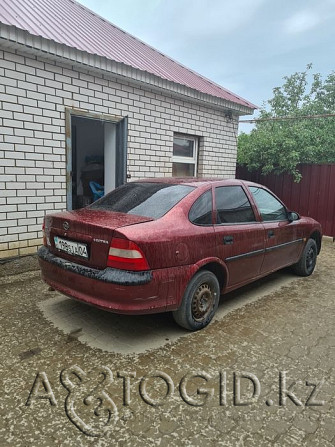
x: 143, y: 198
x: 184, y: 156
x: 232, y: 205
x: 182, y: 170
x: 183, y: 147
x: 269, y: 207
x: 201, y: 210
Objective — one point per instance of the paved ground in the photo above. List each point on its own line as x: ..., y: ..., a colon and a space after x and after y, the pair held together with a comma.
x: 65, y: 368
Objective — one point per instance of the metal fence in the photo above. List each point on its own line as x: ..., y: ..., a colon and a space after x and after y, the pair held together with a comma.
x: 313, y: 196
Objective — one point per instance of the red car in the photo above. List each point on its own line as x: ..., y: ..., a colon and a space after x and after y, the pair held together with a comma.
x: 174, y: 245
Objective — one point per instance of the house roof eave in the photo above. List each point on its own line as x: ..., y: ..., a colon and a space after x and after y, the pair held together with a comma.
x: 16, y: 38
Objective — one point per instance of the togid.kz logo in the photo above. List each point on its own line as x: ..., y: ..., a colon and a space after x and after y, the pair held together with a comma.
x: 90, y: 408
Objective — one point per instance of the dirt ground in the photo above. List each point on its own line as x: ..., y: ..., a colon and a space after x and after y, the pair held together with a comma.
x: 263, y: 373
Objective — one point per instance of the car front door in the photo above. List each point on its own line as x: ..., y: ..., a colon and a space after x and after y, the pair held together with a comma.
x: 283, y: 240
x: 239, y: 235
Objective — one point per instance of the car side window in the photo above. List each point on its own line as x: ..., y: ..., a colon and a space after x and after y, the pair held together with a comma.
x: 232, y: 205
x: 269, y: 207
x: 201, y: 210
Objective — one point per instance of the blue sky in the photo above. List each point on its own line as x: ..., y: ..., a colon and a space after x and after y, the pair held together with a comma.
x: 246, y: 46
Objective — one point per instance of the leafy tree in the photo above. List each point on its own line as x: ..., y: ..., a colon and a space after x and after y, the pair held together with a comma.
x: 280, y: 145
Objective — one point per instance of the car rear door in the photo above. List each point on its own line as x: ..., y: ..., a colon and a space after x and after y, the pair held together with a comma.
x: 284, y: 240
x: 240, y: 240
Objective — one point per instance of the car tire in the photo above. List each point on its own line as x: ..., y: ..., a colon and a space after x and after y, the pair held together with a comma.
x: 200, y: 301
x: 306, y: 264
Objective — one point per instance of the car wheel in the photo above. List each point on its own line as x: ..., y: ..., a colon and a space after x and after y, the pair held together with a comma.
x: 200, y: 301
x: 306, y: 264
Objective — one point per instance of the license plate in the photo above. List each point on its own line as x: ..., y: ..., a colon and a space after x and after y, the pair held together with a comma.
x: 70, y: 247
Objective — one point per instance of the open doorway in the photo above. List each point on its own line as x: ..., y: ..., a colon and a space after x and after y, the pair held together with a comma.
x: 96, y: 157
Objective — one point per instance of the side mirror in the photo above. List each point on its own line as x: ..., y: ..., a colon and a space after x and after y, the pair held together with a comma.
x: 292, y: 216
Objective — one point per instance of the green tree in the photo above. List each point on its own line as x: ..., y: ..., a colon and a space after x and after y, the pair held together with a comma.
x: 280, y: 145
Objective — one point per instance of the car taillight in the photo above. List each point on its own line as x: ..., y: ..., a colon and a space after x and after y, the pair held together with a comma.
x: 44, y: 235
x: 126, y: 255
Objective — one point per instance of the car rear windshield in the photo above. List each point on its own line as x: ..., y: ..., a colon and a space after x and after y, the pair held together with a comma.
x: 143, y: 199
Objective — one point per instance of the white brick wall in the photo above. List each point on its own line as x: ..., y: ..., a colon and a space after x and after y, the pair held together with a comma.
x: 33, y: 97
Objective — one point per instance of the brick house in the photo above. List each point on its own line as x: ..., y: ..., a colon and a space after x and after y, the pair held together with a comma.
x: 81, y: 101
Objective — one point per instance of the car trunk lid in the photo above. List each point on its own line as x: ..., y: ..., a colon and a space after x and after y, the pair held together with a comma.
x: 84, y: 236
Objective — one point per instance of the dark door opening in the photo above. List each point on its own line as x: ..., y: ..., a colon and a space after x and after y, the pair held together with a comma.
x: 98, y: 159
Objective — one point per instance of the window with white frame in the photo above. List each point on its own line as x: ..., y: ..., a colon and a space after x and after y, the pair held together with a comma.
x: 185, y: 156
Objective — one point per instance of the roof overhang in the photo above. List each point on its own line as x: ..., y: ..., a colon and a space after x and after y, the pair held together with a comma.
x: 18, y: 39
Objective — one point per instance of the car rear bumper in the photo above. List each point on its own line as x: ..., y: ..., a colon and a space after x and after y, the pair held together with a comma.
x: 108, y: 275
x: 115, y: 290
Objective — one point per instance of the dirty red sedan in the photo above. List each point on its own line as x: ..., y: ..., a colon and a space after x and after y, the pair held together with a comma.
x: 174, y: 245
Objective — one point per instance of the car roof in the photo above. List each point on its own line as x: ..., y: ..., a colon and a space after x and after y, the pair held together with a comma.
x: 196, y: 182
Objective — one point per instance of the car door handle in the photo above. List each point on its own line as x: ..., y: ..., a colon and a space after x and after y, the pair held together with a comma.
x: 227, y: 240
x: 271, y: 233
